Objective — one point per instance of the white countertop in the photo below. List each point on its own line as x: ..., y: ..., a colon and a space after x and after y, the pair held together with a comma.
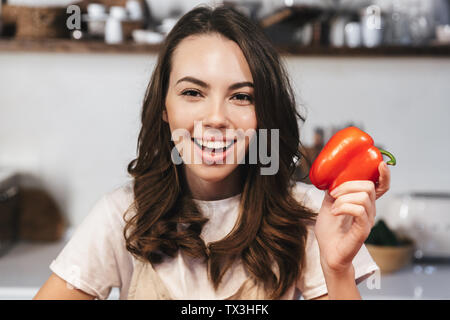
x: 419, y: 280
x: 25, y: 268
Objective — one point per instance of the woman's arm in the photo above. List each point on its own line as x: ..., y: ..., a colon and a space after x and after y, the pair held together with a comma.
x: 343, y: 224
x: 56, y: 288
x: 342, y: 286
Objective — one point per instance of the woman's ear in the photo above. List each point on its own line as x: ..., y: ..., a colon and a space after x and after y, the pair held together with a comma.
x: 164, y: 115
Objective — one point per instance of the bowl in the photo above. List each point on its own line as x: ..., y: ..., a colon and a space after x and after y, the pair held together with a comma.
x: 389, y: 258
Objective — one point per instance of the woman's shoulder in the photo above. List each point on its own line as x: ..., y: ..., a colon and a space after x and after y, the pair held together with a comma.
x: 121, y: 195
x: 119, y: 199
x: 108, y: 263
x: 110, y: 208
x: 308, y: 195
x: 108, y: 211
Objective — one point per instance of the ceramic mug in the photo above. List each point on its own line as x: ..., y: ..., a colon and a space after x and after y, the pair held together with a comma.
x: 353, y: 34
x: 113, y: 31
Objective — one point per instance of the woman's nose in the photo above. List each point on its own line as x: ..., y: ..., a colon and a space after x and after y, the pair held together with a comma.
x: 216, y: 115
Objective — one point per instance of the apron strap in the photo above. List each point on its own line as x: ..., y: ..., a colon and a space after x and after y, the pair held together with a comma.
x: 146, y: 283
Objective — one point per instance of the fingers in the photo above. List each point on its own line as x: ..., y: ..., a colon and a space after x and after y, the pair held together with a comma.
x: 374, y: 190
x: 328, y: 200
x: 355, y: 186
x: 359, y: 212
x: 384, y: 181
x: 356, y: 204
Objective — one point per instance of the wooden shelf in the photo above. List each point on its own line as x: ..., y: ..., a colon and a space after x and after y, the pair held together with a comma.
x: 385, y: 51
x: 91, y: 46
x: 75, y: 46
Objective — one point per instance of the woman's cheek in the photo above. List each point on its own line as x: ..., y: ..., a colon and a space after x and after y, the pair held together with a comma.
x: 244, y: 118
x: 181, y: 116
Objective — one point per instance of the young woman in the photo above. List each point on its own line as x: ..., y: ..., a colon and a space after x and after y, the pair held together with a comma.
x: 215, y: 229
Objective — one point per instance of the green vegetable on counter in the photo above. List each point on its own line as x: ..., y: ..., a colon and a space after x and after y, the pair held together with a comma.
x: 381, y: 235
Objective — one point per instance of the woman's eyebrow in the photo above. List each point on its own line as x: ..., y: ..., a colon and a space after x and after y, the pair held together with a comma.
x: 203, y: 84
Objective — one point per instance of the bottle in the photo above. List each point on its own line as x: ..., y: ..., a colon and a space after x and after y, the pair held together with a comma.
x: 113, y: 28
x: 1, y: 2
x: 371, y: 26
x: 113, y: 31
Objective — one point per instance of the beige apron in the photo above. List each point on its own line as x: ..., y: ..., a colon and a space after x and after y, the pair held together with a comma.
x: 147, y: 285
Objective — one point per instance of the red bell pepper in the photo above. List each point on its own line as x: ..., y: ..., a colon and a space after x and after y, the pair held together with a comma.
x: 348, y: 155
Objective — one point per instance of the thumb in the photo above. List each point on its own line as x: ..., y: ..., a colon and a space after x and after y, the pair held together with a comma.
x: 328, y: 200
x: 384, y: 180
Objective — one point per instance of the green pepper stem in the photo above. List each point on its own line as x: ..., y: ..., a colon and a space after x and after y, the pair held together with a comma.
x: 392, y: 162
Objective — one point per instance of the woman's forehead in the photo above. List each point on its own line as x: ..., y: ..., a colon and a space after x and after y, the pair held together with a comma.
x: 211, y: 58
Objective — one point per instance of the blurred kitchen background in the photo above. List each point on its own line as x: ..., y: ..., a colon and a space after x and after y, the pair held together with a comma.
x: 73, y: 76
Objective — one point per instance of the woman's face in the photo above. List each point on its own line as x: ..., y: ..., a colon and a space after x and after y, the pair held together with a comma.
x: 210, y: 106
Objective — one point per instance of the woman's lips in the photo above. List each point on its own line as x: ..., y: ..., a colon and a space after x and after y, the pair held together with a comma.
x: 213, y: 155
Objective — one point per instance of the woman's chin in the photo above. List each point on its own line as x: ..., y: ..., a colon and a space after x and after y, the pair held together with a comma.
x: 212, y: 173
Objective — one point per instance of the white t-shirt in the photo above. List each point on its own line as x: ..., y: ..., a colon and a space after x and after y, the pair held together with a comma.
x: 95, y: 259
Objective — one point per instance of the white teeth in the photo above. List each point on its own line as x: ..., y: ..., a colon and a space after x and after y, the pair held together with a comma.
x: 214, y: 144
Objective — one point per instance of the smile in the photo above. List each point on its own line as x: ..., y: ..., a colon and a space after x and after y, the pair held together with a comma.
x: 213, y: 146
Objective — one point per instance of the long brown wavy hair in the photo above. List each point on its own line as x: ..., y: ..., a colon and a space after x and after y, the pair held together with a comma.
x: 271, y: 228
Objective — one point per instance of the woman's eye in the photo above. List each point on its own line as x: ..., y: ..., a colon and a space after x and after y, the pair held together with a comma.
x: 243, y: 97
x: 191, y: 93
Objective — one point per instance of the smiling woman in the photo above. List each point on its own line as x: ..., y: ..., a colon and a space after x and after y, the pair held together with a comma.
x: 214, y: 230
x: 214, y: 147
x: 218, y: 80
x: 215, y: 108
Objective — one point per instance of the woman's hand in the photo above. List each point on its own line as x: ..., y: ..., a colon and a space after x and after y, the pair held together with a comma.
x: 345, y: 220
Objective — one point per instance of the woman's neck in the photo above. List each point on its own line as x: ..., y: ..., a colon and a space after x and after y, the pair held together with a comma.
x: 217, y: 190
